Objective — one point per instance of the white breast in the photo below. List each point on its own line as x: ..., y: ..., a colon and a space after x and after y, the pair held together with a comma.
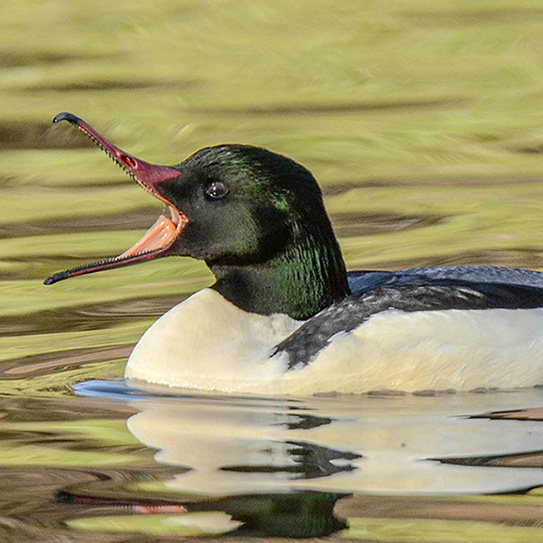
x: 207, y: 343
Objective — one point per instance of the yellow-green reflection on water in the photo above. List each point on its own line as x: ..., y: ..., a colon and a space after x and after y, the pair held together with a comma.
x: 421, y: 120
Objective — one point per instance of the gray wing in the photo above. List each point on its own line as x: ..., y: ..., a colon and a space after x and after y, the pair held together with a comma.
x: 360, y: 281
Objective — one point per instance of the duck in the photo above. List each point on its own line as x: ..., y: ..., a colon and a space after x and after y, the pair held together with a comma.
x: 285, y: 317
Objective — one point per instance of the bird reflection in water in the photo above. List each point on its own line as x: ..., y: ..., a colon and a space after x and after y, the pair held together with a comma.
x: 278, y: 466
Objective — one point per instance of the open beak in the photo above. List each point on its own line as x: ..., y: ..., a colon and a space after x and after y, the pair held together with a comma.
x: 161, y: 236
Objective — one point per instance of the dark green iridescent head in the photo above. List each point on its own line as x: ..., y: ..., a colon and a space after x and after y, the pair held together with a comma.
x: 255, y: 217
x: 258, y: 220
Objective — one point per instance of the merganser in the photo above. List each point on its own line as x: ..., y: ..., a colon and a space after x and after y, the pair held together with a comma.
x: 284, y: 316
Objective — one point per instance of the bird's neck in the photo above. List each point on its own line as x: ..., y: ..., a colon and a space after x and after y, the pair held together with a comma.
x: 304, y: 278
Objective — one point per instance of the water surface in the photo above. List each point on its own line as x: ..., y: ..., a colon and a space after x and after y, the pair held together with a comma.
x: 419, y: 119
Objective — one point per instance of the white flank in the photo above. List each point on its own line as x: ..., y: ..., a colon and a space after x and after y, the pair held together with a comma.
x: 431, y: 350
x: 207, y: 343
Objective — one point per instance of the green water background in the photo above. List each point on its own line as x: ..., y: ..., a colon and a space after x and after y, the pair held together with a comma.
x: 421, y: 120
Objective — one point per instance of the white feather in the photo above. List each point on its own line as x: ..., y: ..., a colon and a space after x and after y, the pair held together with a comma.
x: 207, y: 343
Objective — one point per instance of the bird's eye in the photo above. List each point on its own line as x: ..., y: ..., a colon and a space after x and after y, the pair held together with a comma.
x: 216, y: 190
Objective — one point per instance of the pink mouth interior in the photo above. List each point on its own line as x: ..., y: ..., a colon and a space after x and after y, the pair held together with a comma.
x: 159, y: 237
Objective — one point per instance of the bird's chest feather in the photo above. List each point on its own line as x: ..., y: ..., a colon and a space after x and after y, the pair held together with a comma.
x: 208, y: 343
